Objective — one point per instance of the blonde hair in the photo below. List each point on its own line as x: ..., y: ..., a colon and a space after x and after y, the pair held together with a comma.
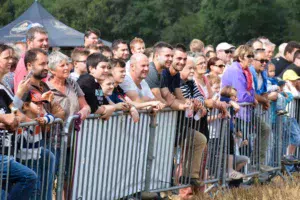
x: 242, y: 51
x: 214, y: 79
x: 136, y: 40
x: 196, y: 45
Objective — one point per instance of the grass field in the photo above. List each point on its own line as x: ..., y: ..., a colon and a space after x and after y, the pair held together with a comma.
x: 276, y: 190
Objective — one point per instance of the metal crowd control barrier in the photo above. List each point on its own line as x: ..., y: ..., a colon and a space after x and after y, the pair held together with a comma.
x: 291, y: 123
x: 217, y: 148
x: 38, y: 148
x: 117, y: 158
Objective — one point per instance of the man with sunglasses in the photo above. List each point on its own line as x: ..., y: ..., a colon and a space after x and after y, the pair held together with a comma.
x: 259, y: 83
x: 225, y: 52
x: 259, y: 76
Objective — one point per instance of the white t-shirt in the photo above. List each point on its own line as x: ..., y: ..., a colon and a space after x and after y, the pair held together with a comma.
x: 129, y: 85
x: 74, y: 76
x: 127, y: 67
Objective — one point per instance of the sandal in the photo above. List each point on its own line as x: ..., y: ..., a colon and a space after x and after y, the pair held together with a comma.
x: 236, y: 175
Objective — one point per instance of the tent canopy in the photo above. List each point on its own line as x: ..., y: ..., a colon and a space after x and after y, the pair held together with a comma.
x: 60, y: 35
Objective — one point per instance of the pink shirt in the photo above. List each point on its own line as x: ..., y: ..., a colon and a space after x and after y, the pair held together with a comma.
x: 20, y: 72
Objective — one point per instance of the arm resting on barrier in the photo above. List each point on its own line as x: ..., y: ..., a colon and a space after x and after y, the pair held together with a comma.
x: 85, y: 109
x: 171, y: 100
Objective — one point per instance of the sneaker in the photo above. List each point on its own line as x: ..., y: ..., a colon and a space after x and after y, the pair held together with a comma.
x: 193, y: 181
x: 234, y: 175
x: 281, y: 112
x: 265, y: 168
x: 291, y: 159
x: 149, y: 195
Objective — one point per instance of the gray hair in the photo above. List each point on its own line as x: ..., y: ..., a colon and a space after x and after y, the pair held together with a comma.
x: 196, y: 54
x: 55, y: 58
x: 269, y: 44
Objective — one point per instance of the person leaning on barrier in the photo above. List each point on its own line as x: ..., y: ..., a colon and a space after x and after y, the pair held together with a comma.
x: 163, y: 58
x: 259, y: 79
x: 36, y: 62
x: 137, y: 91
x: 118, y: 95
x: 243, y: 83
x: 98, y: 68
x: 24, y: 179
x: 170, y: 88
x: 66, y: 91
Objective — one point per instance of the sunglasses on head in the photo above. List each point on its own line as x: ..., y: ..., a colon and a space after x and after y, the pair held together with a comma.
x: 250, y: 56
x: 228, y: 51
x: 262, y: 61
x: 260, y: 49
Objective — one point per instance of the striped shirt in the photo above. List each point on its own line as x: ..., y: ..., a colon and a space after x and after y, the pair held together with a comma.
x: 190, y: 90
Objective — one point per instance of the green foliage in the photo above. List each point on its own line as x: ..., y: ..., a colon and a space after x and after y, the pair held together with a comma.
x: 213, y: 21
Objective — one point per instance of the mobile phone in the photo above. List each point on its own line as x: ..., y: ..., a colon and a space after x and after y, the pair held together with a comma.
x: 29, y: 75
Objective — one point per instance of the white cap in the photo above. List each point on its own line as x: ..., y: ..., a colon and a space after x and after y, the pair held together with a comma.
x: 224, y: 46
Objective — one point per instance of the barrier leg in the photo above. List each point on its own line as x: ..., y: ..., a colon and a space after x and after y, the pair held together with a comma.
x: 150, y: 152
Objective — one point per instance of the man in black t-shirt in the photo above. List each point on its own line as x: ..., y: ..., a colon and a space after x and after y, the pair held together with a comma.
x: 98, y: 68
x: 281, y: 63
x: 295, y: 66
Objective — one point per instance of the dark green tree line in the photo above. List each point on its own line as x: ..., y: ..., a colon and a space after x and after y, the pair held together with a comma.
x: 213, y: 21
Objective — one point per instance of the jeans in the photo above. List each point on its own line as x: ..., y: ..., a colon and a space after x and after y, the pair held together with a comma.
x: 45, y: 168
x: 24, y: 179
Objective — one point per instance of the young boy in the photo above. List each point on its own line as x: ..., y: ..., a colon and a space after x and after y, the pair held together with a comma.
x: 118, y: 95
x: 79, y: 57
x: 98, y: 68
x: 30, y: 149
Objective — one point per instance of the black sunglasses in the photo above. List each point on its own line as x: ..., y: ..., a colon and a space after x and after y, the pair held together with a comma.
x: 228, y: 51
x: 220, y: 66
x: 260, y: 49
x: 262, y: 61
x: 250, y: 56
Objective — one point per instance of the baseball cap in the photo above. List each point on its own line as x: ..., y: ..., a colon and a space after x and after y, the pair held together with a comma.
x: 224, y: 46
x: 34, y: 96
x: 290, y: 75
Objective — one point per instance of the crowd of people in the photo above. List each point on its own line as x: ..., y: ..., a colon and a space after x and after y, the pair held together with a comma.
x: 40, y: 85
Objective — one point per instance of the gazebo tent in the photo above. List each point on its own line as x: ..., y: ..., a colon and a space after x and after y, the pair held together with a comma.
x: 60, y: 35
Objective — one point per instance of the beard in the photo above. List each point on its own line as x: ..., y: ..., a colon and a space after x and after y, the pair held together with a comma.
x: 41, y: 75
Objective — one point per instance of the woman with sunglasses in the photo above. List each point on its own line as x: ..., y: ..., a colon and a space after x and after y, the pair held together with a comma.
x: 215, y: 66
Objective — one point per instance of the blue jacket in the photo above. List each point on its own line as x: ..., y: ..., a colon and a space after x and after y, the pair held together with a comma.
x: 263, y: 88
